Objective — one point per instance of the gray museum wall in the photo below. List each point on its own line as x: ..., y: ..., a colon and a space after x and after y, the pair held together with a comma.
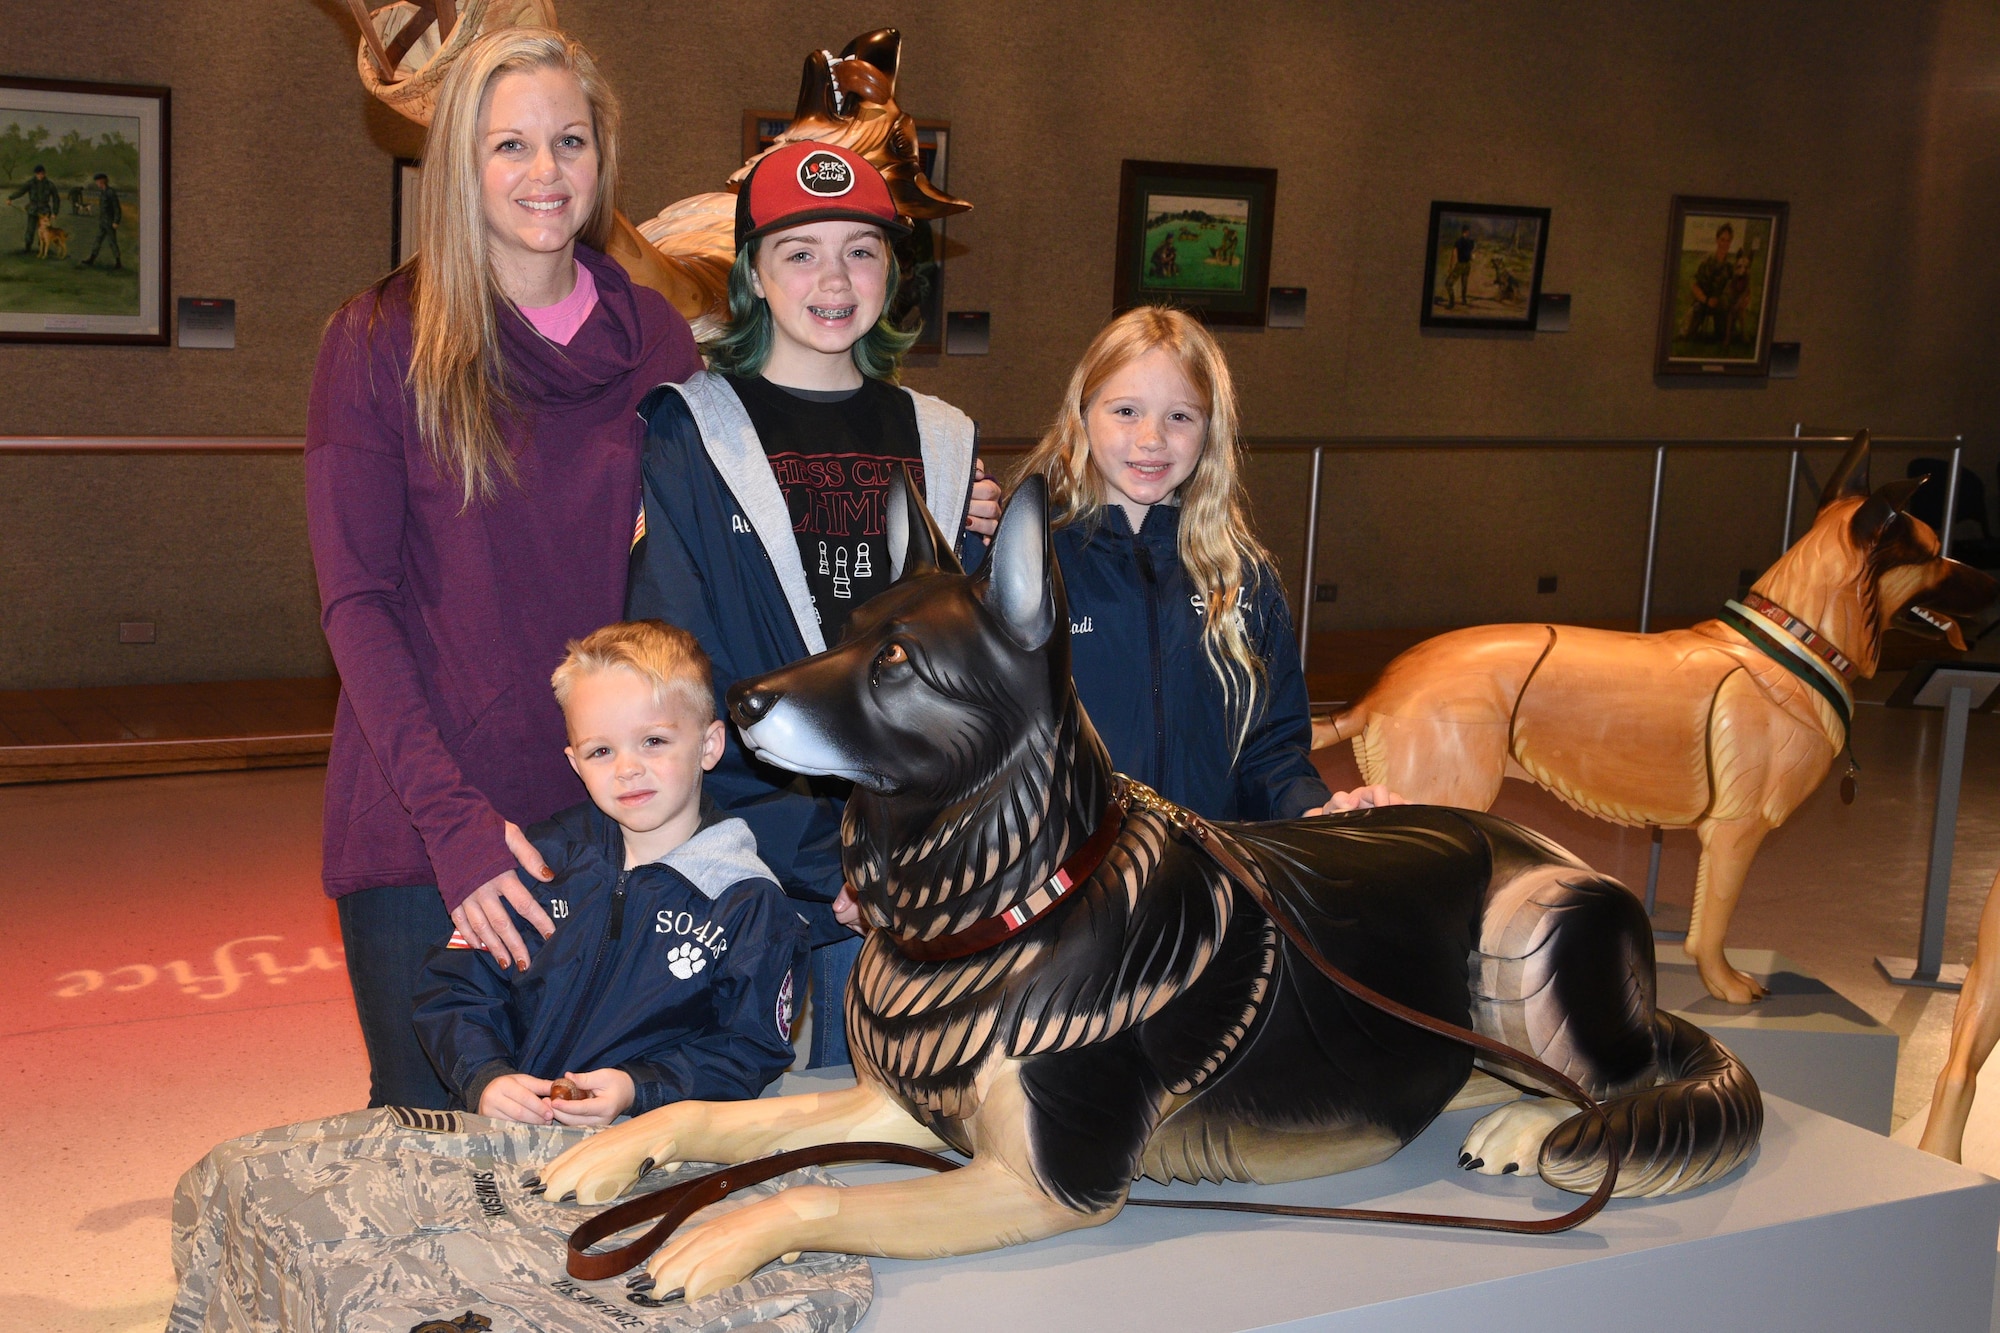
x: 1879, y: 124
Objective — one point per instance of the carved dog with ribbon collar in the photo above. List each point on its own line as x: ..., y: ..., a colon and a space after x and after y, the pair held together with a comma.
x: 1074, y: 983
x: 1726, y: 727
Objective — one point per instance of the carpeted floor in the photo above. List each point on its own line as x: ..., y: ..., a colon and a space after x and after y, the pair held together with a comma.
x: 171, y: 977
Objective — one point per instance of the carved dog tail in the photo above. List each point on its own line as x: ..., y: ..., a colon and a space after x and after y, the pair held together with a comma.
x: 1564, y: 971
x: 1699, y: 1122
x: 1352, y: 725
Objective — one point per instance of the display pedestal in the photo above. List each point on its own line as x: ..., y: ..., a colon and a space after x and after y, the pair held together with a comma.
x: 1980, y: 1149
x: 1828, y: 1227
x: 1804, y: 1041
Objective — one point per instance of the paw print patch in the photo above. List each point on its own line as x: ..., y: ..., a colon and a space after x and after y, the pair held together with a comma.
x: 684, y: 960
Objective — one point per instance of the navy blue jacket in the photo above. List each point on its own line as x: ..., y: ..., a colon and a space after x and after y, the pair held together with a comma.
x: 709, y: 562
x: 1145, y: 680
x: 682, y: 972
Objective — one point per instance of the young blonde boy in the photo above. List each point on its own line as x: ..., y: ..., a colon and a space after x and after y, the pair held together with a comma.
x: 671, y: 973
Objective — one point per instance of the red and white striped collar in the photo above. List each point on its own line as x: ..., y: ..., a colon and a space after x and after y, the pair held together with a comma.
x: 989, y: 931
x: 1820, y: 646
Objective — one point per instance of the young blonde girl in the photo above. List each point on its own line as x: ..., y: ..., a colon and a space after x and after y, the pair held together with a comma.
x: 1180, y: 640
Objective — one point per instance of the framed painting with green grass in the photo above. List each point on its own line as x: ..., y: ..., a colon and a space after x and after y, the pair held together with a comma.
x: 1483, y: 269
x: 1197, y: 237
x: 1719, y: 295
x: 83, y: 233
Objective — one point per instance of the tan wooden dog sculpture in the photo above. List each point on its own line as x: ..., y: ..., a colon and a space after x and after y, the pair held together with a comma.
x: 1725, y: 728
x: 685, y: 251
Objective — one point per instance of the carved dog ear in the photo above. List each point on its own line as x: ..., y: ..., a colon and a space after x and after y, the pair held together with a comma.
x: 817, y: 98
x: 1881, y: 509
x: 1850, y: 475
x: 1021, y: 566
x: 916, y: 546
x: 879, y: 48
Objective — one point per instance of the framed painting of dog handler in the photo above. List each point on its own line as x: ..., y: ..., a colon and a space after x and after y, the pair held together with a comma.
x: 83, y: 177
x: 920, y: 256
x: 1195, y: 237
x: 1719, y: 297
x: 1483, y: 269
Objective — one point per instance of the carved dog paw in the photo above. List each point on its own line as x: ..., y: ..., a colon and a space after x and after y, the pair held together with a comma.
x: 704, y: 1259
x: 1509, y: 1141
x: 607, y: 1163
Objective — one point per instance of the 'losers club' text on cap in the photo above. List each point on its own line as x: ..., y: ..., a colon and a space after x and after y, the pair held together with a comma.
x: 813, y: 182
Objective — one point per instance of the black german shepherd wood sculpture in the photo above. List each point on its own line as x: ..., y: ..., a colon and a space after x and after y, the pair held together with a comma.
x: 1060, y: 986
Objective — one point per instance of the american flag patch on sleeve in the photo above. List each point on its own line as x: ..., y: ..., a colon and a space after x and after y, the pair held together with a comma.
x: 458, y: 941
x: 639, y: 527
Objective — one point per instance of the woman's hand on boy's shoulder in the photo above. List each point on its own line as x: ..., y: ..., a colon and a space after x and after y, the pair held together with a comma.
x: 1361, y: 798
x: 611, y: 1093
x: 484, y: 922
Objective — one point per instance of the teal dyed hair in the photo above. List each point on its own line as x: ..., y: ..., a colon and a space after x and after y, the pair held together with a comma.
x: 746, y: 345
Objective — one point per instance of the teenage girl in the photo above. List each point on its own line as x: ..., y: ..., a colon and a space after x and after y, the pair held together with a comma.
x: 1180, y: 640
x: 766, y: 481
x: 472, y: 466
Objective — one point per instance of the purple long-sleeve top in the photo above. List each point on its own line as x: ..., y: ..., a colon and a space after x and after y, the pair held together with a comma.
x: 445, y: 621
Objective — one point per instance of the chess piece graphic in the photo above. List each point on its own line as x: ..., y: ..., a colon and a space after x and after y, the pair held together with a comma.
x: 822, y: 557
x: 841, y: 586
x: 862, y: 569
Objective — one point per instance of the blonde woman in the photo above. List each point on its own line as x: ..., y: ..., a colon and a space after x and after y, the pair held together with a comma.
x: 1180, y: 641
x: 472, y: 468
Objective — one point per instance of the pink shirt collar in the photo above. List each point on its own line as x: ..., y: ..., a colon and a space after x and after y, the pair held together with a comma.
x: 559, y: 322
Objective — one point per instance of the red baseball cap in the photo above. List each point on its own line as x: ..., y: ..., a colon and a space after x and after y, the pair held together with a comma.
x: 813, y: 182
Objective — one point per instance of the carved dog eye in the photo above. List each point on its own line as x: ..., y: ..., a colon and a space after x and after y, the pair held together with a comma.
x: 895, y: 655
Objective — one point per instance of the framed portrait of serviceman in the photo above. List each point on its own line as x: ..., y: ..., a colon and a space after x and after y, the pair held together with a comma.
x: 1719, y: 294
x: 83, y: 212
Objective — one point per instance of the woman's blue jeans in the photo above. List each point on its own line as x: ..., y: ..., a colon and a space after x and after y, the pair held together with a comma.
x: 387, y: 933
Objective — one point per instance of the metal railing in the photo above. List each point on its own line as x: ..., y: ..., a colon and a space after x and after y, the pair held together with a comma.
x: 1801, y: 439
x: 1797, y: 442
x: 1318, y: 447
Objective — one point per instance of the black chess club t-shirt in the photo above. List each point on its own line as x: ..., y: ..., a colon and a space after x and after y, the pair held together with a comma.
x: 834, y: 454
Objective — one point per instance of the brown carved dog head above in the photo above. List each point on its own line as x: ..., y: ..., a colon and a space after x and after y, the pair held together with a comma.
x: 1868, y: 565
x: 850, y: 99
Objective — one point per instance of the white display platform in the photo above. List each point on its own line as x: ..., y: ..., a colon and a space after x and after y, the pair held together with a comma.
x: 1804, y: 1041
x: 1980, y: 1149
x: 1828, y: 1227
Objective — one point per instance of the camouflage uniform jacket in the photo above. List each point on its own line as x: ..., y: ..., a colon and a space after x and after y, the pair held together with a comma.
x: 1713, y: 276
x: 393, y: 1221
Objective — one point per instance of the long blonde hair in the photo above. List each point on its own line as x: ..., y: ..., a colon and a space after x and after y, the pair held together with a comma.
x: 457, y: 374
x: 1222, y: 559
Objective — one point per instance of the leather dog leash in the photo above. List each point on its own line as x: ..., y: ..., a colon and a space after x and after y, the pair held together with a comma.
x: 676, y: 1203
